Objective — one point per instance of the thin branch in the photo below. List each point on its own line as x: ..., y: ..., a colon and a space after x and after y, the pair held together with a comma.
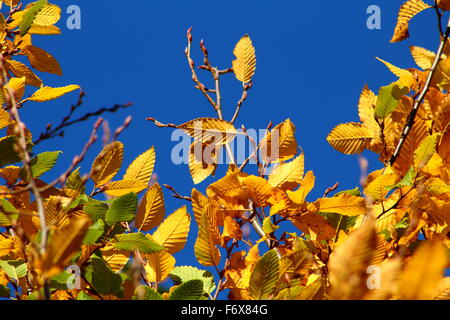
x: 176, y: 194
x: 246, y: 88
x: 439, y: 15
x: 419, y: 100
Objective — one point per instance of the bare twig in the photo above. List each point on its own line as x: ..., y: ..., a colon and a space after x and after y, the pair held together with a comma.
x: 419, y: 100
x: 246, y: 88
x: 176, y: 194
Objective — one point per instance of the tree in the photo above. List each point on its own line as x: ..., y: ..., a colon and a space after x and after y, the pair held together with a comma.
x: 386, y: 241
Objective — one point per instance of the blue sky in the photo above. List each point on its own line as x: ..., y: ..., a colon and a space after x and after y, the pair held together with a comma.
x: 313, y: 59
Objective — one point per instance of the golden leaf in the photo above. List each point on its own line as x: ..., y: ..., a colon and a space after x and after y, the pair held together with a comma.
x: 199, y: 202
x: 245, y: 64
x: 202, y: 161
x: 107, y: 163
x: 20, y: 70
x: 259, y: 190
x: 423, y: 58
x: 306, y: 185
x: 159, y: 265
x: 63, y: 245
x: 240, y: 268
x: 406, y: 78
x: 288, y: 175
x: 350, y: 138
x: 210, y: 130
x: 231, y: 230
x: 316, y: 226
x: 151, y: 209
x: 49, y: 15
x: 122, y: 187
x: 44, y: 30
x: 344, y: 204
x: 407, y: 11
x: 115, y: 258
x: 205, y: 249
x: 348, y: 263
x: 280, y: 143
x: 443, y: 291
x: 18, y: 85
x: 229, y: 186
x: 388, y: 281
x: 142, y: 167
x: 425, y: 151
x: 48, y: 93
x: 5, y: 119
x: 366, y: 106
x: 42, y: 60
x: 423, y: 272
x: 11, y: 248
x: 376, y: 188
x: 172, y: 233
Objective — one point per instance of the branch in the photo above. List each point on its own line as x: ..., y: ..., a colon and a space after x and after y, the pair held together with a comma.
x: 419, y: 100
x: 246, y: 88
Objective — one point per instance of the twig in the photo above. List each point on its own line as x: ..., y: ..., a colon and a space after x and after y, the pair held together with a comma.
x: 419, y: 100
x: 439, y: 17
x: 246, y: 88
x: 176, y: 194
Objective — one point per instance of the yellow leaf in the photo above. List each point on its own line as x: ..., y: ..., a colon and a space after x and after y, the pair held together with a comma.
x: 48, y: 93
x: 407, y: 11
x: 423, y: 272
x: 202, y: 161
x: 10, y: 248
x: 280, y: 143
x: 425, y: 151
x: 306, y: 185
x: 245, y: 64
x: 443, y: 291
x: 18, y: 86
x: 20, y: 70
x: 199, y: 203
x: 288, y: 175
x: 122, y: 187
x: 210, y: 130
x: 44, y: 30
x: 423, y: 58
x: 151, y: 209
x: 49, y: 15
x: 350, y: 138
x: 228, y: 186
x: 172, y: 233
x: 42, y: 60
x: 259, y: 190
x: 159, y: 265
x: 205, y: 249
x: 5, y: 119
x: 107, y: 163
x: 54, y: 208
x: 376, y: 188
x: 366, y: 106
x: 344, y: 204
x: 406, y: 78
x: 231, y: 230
x: 348, y: 263
x: 63, y: 244
x: 388, y: 281
x: 142, y: 167
x: 115, y: 258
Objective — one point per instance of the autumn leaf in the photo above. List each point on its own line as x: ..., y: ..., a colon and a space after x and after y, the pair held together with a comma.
x: 210, y: 130
x: 344, y: 204
x: 151, y: 209
x: 265, y: 276
x: 107, y: 163
x: 173, y: 232
x: 159, y: 265
x: 350, y: 138
x: 288, y: 175
x: 122, y: 187
x: 42, y: 60
x: 407, y: 11
x: 245, y: 64
x: 279, y: 144
x: 423, y: 57
x: 205, y: 249
x: 142, y: 167
x: 48, y: 93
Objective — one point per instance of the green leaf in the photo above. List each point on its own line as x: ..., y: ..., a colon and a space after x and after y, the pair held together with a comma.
x: 75, y: 182
x: 425, y: 151
x: 183, y: 274
x: 338, y: 221
x: 136, y: 241
x: 40, y: 164
x: 59, y: 282
x: 146, y: 293
x: 84, y: 296
x: 265, y: 276
x: 15, y: 269
x: 94, y: 232
x: 407, y: 180
x: 103, y: 279
x: 8, y: 154
x: 30, y: 15
x: 8, y: 213
x: 5, y: 292
x: 122, y: 209
x: 388, y: 98
x: 353, y: 192
x: 190, y: 290
x: 96, y: 210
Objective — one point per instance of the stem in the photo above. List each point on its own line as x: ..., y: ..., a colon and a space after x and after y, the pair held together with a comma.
x: 419, y: 100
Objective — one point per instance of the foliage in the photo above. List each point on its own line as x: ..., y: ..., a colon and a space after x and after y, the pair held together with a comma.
x: 125, y: 246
